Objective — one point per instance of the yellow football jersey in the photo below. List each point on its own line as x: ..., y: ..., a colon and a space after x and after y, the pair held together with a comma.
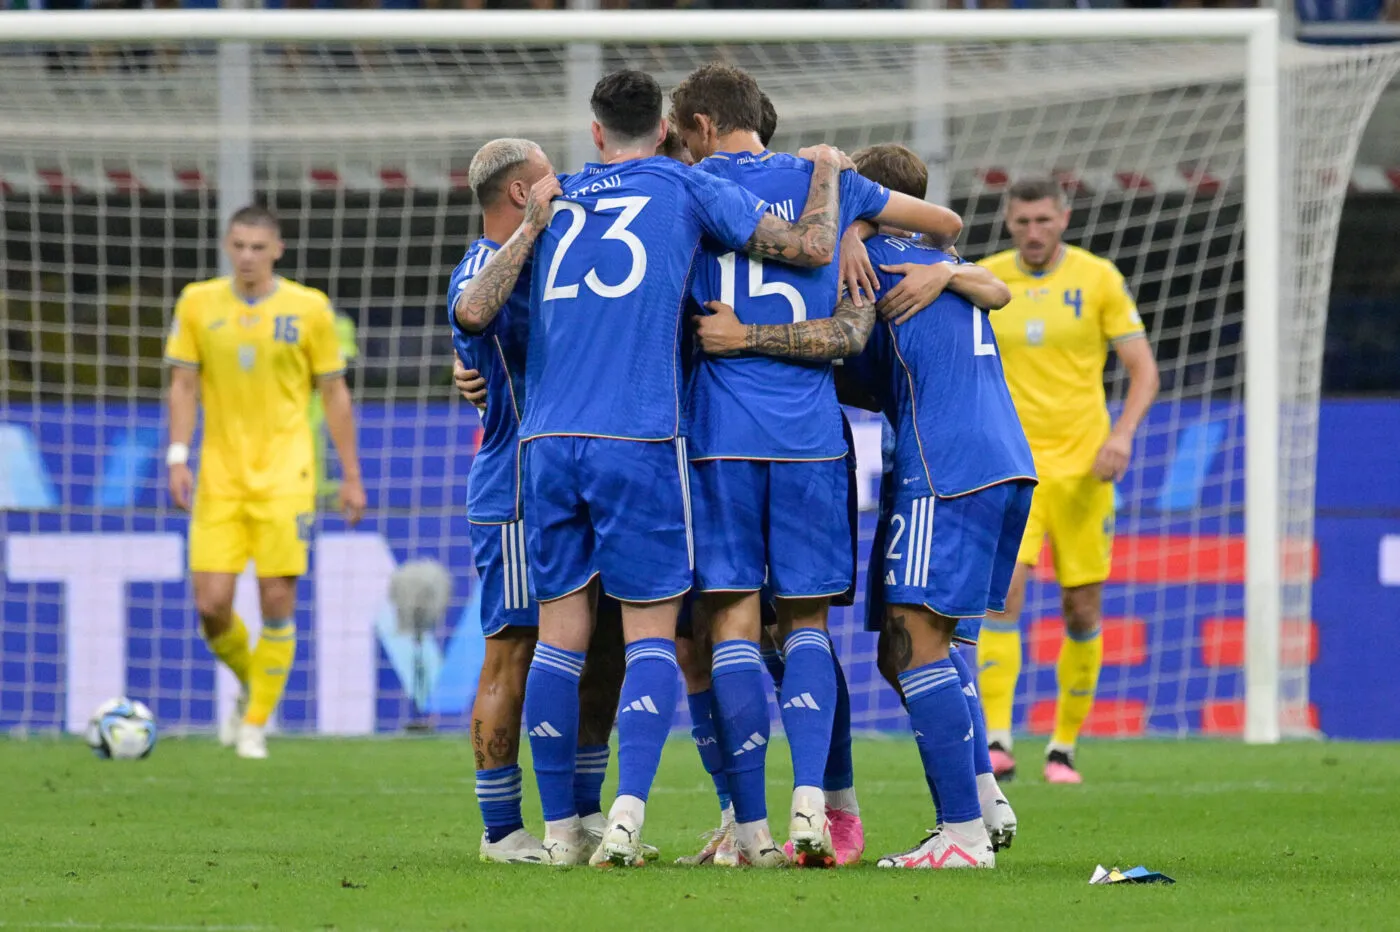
x: 257, y: 367
x: 1054, y: 338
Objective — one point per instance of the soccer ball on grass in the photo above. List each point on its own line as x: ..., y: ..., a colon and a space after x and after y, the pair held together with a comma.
x: 122, y: 729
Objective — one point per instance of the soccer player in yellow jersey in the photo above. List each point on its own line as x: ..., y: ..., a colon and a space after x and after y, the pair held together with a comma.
x: 254, y: 346
x: 1067, y: 308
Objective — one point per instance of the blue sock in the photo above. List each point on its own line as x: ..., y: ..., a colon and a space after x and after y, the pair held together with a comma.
x: 703, y: 730
x: 650, y: 691
x: 590, y: 767
x: 773, y: 660
x: 943, y: 731
x: 551, y: 719
x: 810, y: 680
x: 840, y: 771
x: 736, y: 675
x: 981, y: 756
x: 498, y: 795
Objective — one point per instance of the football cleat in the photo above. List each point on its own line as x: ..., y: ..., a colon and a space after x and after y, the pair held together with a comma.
x: 727, y: 853
x: 621, y: 845
x: 763, y: 852
x: 1003, y: 764
x: 1059, y: 768
x: 809, y: 832
x: 715, y: 839
x: 519, y: 847
x: 594, y: 825
x: 566, y: 849
x: 252, y: 742
x: 847, y: 836
x: 939, y: 851
x: 1000, y: 820
x: 228, y: 728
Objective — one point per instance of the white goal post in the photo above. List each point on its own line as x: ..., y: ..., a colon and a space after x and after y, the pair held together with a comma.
x: 1269, y: 211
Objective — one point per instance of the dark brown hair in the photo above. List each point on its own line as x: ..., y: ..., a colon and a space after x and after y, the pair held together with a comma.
x: 1036, y: 189
x: 894, y: 166
x: 729, y: 96
x: 255, y: 215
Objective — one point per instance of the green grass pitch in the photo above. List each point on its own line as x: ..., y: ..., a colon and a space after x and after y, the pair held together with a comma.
x: 382, y: 834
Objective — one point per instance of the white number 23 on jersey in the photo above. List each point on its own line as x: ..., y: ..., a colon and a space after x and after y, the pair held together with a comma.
x: 630, y: 207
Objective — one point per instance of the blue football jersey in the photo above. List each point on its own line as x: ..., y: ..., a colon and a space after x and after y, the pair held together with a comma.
x: 498, y: 353
x: 939, y: 379
x: 760, y: 407
x: 610, y: 279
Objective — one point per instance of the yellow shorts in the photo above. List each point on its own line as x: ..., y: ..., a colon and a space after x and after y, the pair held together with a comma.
x: 1077, y: 513
x: 274, y: 533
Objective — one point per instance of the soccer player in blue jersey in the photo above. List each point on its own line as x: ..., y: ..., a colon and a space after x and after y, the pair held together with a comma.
x: 960, y: 495
x: 513, y: 183
x: 768, y: 475
x: 605, y: 472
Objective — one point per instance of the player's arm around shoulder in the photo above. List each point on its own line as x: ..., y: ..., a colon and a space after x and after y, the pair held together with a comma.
x: 484, y: 294
x: 921, y: 284
x: 811, y: 241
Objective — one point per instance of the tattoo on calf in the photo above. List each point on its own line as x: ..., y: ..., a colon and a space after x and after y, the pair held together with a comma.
x: 901, y: 645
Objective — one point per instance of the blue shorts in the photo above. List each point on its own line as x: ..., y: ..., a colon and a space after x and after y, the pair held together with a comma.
x: 782, y: 524
x: 954, y: 556
x: 498, y: 550
x: 618, y: 509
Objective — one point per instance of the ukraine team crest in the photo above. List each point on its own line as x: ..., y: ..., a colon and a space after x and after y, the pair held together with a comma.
x: 247, y: 354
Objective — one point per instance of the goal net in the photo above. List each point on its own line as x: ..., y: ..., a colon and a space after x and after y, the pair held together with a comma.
x: 118, y: 160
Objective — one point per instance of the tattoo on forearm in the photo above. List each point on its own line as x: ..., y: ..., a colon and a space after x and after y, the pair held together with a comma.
x: 844, y: 333
x: 485, y: 294
x: 812, y: 239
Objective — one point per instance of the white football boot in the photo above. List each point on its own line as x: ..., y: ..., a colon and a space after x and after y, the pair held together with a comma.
x: 997, y: 814
x: 945, y: 850
x: 809, y: 831
x: 252, y: 742
x: 228, y: 728
x: 621, y: 845
x: 566, y: 847
x: 519, y: 847
x: 759, y: 849
x: 594, y: 825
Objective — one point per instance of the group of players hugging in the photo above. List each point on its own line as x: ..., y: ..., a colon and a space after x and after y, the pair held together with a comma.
x: 693, y: 475
x: 660, y: 344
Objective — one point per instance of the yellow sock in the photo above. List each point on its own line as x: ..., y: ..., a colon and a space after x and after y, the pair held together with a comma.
x: 232, y: 648
x: 1078, y: 674
x: 998, y: 669
x: 272, y: 664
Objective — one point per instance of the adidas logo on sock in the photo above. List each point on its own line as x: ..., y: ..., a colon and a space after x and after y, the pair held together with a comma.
x: 755, y: 741
x: 545, y: 730
x: 889, y: 578
x: 643, y: 704
x: 804, y: 701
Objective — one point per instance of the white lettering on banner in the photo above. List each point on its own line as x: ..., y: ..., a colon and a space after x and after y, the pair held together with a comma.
x: 352, y: 580
x: 1389, y: 568
x: 94, y: 570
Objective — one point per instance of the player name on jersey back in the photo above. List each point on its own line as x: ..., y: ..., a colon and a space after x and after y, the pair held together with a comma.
x: 607, y: 292
x: 939, y: 379
x: 498, y: 353
x: 760, y: 407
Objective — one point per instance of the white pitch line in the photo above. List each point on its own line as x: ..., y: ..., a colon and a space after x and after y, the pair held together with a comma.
x: 128, y: 927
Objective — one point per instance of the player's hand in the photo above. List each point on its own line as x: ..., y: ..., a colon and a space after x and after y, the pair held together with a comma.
x: 857, y: 274
x: 1112, y: 462
x: 919, y: 287
x: 537, y: 210
x: 181, y: 486
x: 352, y: 500
x: 720, y: 332
x: 470, y: 383
x: 826, y: 153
